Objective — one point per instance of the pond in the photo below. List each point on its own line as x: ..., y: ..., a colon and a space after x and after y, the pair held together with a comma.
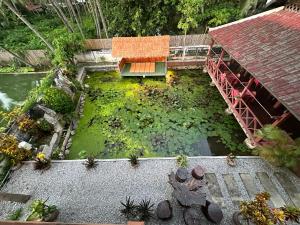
x: 151, y: 118
x: 14, y: 89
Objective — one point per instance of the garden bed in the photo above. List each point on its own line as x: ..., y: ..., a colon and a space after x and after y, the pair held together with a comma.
x: 152, y: 117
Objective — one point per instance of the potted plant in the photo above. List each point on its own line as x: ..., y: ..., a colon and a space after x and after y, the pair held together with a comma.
x: 258, y: 212
x: 40, y: 211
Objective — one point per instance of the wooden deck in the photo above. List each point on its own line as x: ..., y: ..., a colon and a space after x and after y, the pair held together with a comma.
x: 141, y: 69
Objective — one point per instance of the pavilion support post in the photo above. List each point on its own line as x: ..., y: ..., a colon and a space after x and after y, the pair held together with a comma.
x: 220, y: 59
x: 208, y: 56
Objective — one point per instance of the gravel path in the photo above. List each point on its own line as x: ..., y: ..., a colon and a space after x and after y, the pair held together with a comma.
x: 94, y: 195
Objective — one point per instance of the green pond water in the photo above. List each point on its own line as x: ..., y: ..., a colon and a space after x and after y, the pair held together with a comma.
x: 151, y: 118
x: 15, y: 88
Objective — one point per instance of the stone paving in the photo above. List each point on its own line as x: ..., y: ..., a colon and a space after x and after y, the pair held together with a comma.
x: 94, y: 196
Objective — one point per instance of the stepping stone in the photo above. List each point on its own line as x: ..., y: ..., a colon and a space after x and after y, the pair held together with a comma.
x: 14, y: 197
x: 214, y: 188
x: 269, y: 186
x: 233, y: 189
x: 249, y: 184
x: 289, y: 187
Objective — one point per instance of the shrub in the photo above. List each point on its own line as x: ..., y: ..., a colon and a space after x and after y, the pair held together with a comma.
x: 44, y: 125
x: 9, y: 147
x: 35, y: 93
x: 25, y: 123
x: 260, y: 213
x: 58, y: 100
x: 182, y: 161
x: 16, y: 214
x: 82, y: 154
x: 40, y: 210
x: 278, y: 147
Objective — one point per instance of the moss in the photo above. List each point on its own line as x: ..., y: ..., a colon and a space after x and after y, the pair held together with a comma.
x: 149, y: 117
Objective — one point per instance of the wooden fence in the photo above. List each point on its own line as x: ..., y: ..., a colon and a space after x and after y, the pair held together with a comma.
x: 39, y: 57
x: 175, y: 41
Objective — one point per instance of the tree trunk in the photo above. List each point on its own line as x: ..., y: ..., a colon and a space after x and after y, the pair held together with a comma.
x: 75, y: 17
x: 62, y: 16
x: 17, y: 56
x: 94, y: 12
x: 102, y: 17
x: 11, y: 8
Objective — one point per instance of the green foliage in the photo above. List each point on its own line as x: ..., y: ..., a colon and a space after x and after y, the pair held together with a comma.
x: 189, y: 10
x: 278, y: 148
x: 15, y: 215
x: 35, y: 93
x: 44, y: 125
x: 58, y: 100
x: 82, y: 154
x: 66, y: 46
x: 5, y: 165
x: 121, y: 116
x: 222, y: 13
x: 12, y: 69
x: 182, y: 161
x: 40, y: 210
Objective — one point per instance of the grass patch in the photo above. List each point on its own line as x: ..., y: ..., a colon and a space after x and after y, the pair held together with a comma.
x: 148, y: 117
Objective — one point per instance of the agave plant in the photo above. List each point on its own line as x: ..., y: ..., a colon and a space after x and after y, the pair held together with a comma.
x: 90, y: 162
x: 133, y: 159
x: 129, y: 208
x: 145, y: 210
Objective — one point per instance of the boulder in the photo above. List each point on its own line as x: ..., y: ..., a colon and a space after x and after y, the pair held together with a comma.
x: 181, y: 174
x: 164, y: 210
x: 198, y: 172
x: 25, y: 145
x: 191, y: 216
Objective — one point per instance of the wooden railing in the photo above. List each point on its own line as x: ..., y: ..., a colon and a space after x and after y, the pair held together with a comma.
x: 244, y: 115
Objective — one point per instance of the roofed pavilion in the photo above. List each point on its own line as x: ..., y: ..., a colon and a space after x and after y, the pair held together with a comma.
x: 255, y: 64
x: 141, y: 56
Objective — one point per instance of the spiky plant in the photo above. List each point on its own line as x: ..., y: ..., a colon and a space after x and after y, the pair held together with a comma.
x: 133, y: 159
x: 182, y: 160
x: 129, y: 208
x: 145, y: 210
x: 90, y: 162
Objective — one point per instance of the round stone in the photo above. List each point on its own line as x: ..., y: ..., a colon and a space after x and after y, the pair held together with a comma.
x: 212, y: 212
x: 181, y: 174
x: 198, y: 172
x: 164, y: 210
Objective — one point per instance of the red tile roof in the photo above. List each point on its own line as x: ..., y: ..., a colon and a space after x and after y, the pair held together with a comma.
x: 268, y: 46
x: 140, y: 47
